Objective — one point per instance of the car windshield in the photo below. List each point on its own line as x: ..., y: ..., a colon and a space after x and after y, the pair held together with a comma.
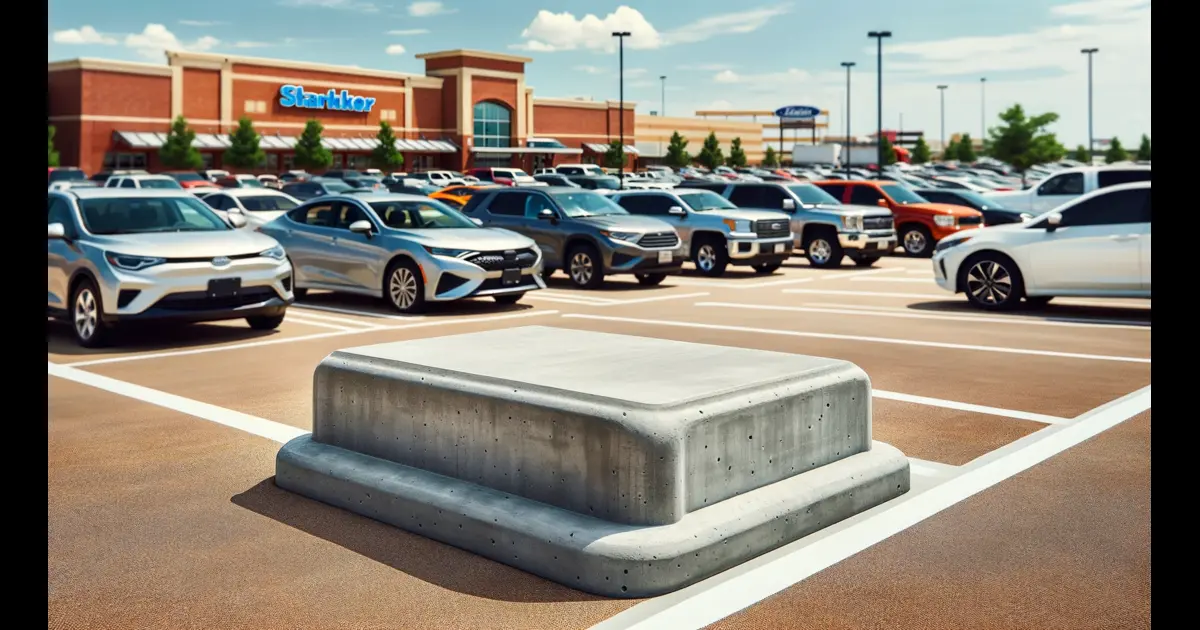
x: 160, y: 183
x: 267, y: 203
x: 902, y: 195
x: 335, y: 187
x: 587, y: 204
x: 251, y: 183
x: 607, y: 183
x: 420, y: 215
x: 810, y: 195
x: 978, y: 200
x: 186, y: 177
x: 67, y: 175
x: 346, y: 174
x: 141, y: 215
x: 706, y: 200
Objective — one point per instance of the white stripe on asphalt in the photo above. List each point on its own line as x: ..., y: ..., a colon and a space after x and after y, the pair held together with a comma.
x: 866, y: 312
x: 1137, y: 304
x: 319, y: 324
x: 1035, y: 315
x: 350, y: 311
x: 315, y: 315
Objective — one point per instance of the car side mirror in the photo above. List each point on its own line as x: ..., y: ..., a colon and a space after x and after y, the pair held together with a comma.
x: 1053, y: 220
x: 546, y: 214
x: 361, y: 227
x: 236, y: 219
x: 676, y: 210
x: 789, y: 204
x: 476, y: 221
x: 56, y: 231
x: 882, y: 203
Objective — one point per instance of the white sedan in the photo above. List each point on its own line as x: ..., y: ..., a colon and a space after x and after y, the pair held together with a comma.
x: 1097, y: 245
x: 257, y: 205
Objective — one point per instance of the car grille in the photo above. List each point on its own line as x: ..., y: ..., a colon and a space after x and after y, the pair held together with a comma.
x: 877, y: 223
x: 970, y: 220
x: 509, y: 259
x: 199, y: 300
x: 527, y: 282
x: 656, y: 240
x: 772, y: 228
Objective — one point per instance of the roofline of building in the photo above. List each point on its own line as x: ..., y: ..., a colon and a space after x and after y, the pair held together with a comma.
x: 215, y: 61
x: 109, y: 65
x: 479, y: 54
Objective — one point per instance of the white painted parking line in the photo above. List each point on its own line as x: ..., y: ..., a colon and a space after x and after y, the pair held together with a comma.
x: 736, y: 283
x: 270, y: 342
x: 350, y: 311
x: 561, y: 300
x: 657, y: 298
x: 583, y: 301
x: 855, y: 311
x: 910, y: 280
x: 961, y: 406
x: 271, y: 430
x: 919, y: 271
x: 920, y: 296
x: 583, y: 296
x: 852, y: 275
x: 887, y: 340
x: 926, y: 468
x: 315, y: 315
x: 718, y: 597
x: 318, y: 324
x: 1035, y: 315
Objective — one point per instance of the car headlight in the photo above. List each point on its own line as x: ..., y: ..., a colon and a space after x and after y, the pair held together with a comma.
x: 947, y: 243
x: 628, y: 237
x: 738, y: 225
x: 944, y: 220
x: 275, y: 253
x: 853, y: 223
x: 132, y: 263
x: 446, y: 251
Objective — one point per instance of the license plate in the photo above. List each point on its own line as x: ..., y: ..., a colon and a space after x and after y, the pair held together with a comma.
x: 509, y: 277
x: 778, y: 248
x: 664, y: 257
x: 224, y: 287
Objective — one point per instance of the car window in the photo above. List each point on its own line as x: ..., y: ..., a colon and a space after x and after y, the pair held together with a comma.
x: 484, y: 175
x: 635, y: 204
x: 161, y: 183
x: 128, y: 183
x: 59, y: 211
x: 771, y: 196
x: 320, y: 215
x: 420, y: 215
x: 1113, y: 177
x: 1065, y: 184
x: 838, y: 191
x: 865, y: 195
x: 473, y: 203
x: 746, y: 196
x: 1113, y: 208
x: 535, y: 203
x: 509, y: 204
x: 705, y: 200
x: 940, y: 197
x: 348, y: 214
x: 268, y: 203
x: 140, y: 215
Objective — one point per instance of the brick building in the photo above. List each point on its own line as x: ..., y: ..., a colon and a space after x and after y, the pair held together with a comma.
x: 470, y: 108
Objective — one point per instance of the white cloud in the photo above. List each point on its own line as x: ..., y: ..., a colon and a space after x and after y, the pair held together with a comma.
x: 155, y: 39
x: 549, y: 32
x: 199, y: 23
x: 741, y: 22
x: 345, y: 5
x: 82, y: 35
x: 394, y: 49
x: 635, y: 72
x: 727, y: 76
x: 719, y: 105
x: 1099, y: 9
x: 410, y: 31
x: 252, y: 44
x: 426, y: 9
x: 592, y: 69
x: 706, y: 67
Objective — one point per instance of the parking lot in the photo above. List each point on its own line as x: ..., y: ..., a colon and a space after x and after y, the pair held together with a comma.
x: 1029, y: 507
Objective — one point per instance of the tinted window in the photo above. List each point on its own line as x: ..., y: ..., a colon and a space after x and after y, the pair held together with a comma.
x: 508, y: 204
x: 320, y: 215
x: 215, y: 201
x: 149, y: 214
x: 772, y: 197
x: 58, y: 211
x: 864, y: 195
x: 571, y: 170
x: 349, y: 213
x: 265, y: 203
x: 128, y: 183
x: 1113, y: 177
x: 473, y: 203
x: 484, y: 175
x: 746, y: 196
x: 939, y: 197
x: 636, y: 204
x: 838, y: 191
x: 1066, y: 184
x: 1114, y: 208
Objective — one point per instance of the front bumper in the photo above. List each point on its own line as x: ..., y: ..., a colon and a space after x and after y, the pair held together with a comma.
x: 448, y: 279
x: 750, y: 250
x: 179, y: 291
x: 945, y: 271
x: 883, y: 241
x: 628, y: 258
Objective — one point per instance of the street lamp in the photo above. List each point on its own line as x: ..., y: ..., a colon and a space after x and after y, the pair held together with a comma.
x: 846, y: 161
x: 621, y: 35
x: 982, y: 108
x: 1089, y: 52
x: 662, y: 110
x: 879, y: 36
x: 942, y: 90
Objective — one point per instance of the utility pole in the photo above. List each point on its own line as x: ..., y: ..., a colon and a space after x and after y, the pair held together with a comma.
x: 982, y: 109
x: 1091, y: 139
x: 846, y: 160
x: 879, y: 36
x: 621, y: 35
x: 942, y: 90
x: 663, y: 105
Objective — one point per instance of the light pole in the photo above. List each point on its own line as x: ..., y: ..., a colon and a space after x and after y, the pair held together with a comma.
x: 1089, y: 52
x: 942, y: 90
x: 982, y: 108
x: 621, y: 35
x: 879, y: 35
x: 662, y: 110
x: 846, y: 161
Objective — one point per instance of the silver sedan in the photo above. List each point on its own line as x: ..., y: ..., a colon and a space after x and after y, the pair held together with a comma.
x: 407, y: 249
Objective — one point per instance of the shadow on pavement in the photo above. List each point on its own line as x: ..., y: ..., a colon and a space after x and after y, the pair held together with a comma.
x: 150, y: 337
x: 611, y: 283
x: 422, y: 558
x: 1049, y: 312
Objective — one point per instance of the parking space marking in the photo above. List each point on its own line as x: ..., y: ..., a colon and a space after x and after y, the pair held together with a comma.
x: 562, y: 300
x: 852, y: 275
x: 270, y: 342
x: 343, y: 321
x: 949, y: 296
x: 350, y: 311
x: 318, y: 324
x: 961, y: 406
x: 733, y: 283
x: 889, y: 340
x: 269, y: 429
x: 1129, y: 323
x: 718, y: 597
x: 583, y: 300
x: 912, y: 280
x: 908, y: 314
x: 570, y: 295
x: 926, y: 468
x: 657, y: 298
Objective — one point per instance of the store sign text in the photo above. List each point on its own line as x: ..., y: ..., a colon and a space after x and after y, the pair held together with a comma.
x: 296, y: 96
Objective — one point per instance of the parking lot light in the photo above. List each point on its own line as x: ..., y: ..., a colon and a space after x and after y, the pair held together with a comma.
x: 1091, y: 141
x: 942, y: 90
x: 846, y: 160
x: 621, y: 35
x: 879, y: 36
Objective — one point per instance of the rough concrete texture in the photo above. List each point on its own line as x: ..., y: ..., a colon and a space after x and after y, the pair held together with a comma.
x: 631, y: 430
x: 601, y: 557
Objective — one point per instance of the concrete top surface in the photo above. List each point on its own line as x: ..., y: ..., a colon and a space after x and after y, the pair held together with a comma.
x: 639, y: 370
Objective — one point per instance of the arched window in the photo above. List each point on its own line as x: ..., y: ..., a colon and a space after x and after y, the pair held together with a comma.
x: 493, y: 125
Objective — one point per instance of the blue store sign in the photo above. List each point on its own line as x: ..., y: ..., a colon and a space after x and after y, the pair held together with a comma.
x: 296, y: 96
x: 801, y: 112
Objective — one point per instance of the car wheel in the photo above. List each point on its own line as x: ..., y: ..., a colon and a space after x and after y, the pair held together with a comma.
x: 766, y: 268
x: 866, y: 261
x: 265, y: 322
x: 917, y: 241
x: 403, y: 288
x: 86, y: 316
x: 508, y: 298
x: 650, y: 279
x: 992, y: 282
x: 1038, y: 301
x: 585, y: 267
x: 710, y: 257
x: 823, y: 249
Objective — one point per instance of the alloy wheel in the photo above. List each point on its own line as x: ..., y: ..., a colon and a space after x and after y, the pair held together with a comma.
x: 819, y: 251
x: 706, y: 257
x: 403, y: 288
x: 989, y: 282
x: 914, y: 242
x: 85, y: 314
x: 581, y: 268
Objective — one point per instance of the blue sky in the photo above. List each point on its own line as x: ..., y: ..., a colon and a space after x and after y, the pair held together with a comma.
x: 715, y: 53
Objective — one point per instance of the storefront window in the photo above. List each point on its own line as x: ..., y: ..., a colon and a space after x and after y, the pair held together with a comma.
x: 289, y: 162
x: 338, y: 160
x: 358, y: 162
x: 208, y: 160
x: 493, y: 125
x: 124, y: 160
x: 272, y: 161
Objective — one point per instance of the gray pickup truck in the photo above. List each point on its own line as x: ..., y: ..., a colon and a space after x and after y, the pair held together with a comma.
x: 822, y: 226
x: 715, y: 232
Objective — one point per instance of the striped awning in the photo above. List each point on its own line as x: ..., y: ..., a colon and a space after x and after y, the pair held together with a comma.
x: 147, y: 140
x: 603, y: 148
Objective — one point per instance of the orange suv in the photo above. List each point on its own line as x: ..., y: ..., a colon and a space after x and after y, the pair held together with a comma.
x: 920, y: 224
x: 458, y: 196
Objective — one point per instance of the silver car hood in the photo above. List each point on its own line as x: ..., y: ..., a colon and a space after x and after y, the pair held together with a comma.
x: 867, y: 211
x: 186, y: 244
x: 627, y: 222
x: 746, y: 213
x: 475, y: 239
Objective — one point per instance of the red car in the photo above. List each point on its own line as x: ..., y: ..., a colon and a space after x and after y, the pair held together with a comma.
x: 189, y: 179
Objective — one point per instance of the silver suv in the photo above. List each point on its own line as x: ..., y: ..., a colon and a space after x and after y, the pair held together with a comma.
x: 119, y: 254
x: 715, y: 232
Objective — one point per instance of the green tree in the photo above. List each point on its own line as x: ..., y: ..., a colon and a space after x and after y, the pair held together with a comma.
x: 1082, y: 155
x: 51, y: 155
x: 1143, y: 152
x: 177, y: 151
x: 889, y: 152
x: 966, y: 149
x: 710, y: 154
x: 1023, y: 141
x: 737, y: 155
x: 310, y: 153
x: 677, y: 154
x: 921, y: 154
x: 385, y: 156
x: 770, y: 159
x: 1115, y: 152
x: 244, y: 151
x: 614, y: 157
x: 950, y: 151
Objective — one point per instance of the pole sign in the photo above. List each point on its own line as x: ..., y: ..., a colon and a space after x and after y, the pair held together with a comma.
x: 798, y: 112
x: 296, y: 96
